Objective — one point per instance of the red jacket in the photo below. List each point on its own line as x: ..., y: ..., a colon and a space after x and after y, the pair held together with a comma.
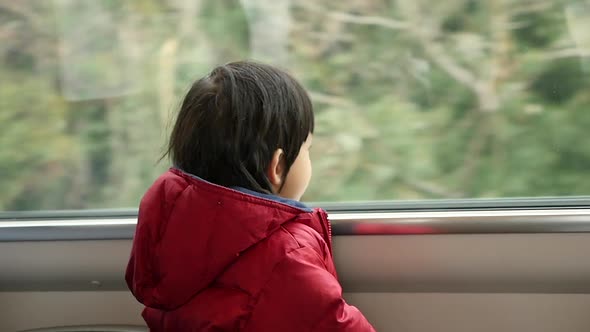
x: 210, y: 258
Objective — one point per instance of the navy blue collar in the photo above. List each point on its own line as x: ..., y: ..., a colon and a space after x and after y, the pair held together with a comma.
x: 276, y: 198
x: 290, y: 202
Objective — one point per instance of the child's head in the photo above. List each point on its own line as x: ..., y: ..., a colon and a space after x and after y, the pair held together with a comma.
x: 247, y: 125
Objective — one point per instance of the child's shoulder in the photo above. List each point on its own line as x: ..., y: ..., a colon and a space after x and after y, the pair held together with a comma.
x: 167, y: 186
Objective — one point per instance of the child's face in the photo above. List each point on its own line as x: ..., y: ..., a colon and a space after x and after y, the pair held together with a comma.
x: 299, y: 175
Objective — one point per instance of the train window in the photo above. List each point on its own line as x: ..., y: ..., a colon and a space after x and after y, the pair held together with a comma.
x: 414, y: 99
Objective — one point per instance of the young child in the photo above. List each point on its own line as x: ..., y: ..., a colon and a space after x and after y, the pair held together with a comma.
x: 222, y: 243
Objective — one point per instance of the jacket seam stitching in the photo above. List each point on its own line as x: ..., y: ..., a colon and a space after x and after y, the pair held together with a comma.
x: 299, y: 246
x: 171, y: 209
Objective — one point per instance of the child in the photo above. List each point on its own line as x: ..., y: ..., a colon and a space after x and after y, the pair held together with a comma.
x: 222, y: 243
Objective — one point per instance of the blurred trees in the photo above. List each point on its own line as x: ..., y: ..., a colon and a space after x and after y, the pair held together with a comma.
x: 414, y: 99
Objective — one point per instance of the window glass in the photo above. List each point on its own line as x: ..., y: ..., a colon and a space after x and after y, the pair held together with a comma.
x: 415, y: 99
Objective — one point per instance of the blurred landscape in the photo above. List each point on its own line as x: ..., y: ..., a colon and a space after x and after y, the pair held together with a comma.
x: 414, y: 99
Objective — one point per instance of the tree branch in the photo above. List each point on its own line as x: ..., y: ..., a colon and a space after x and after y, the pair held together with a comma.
x: 369, y: 20
x: 531, y: 7
x: 474, y: 152
x: 433, y: 49
x: 32, y: 17
x: 330, y: 99
x: 430, y: 189
x: 166, y: 76
x: 573, y: 52
x: 440, y: 57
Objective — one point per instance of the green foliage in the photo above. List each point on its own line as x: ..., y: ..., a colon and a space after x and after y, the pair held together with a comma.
x: 36, y: 153
x: 560, y: 81
x: 540, y: 29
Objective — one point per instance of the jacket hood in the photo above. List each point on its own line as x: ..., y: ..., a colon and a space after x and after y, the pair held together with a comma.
x: 189, y: 231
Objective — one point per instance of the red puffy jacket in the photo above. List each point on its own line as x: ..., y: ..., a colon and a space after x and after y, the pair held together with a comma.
x: 210, y: 258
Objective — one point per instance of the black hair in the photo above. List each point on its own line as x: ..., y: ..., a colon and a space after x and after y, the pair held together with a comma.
x: 233, y: 120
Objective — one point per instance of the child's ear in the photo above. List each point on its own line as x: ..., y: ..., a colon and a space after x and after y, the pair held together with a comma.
x: 275, y: 170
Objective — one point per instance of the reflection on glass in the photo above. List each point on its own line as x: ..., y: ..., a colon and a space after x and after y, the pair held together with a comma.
x: 414, y: 99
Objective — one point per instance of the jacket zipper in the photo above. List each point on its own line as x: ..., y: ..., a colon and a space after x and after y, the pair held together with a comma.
x: 326, y: 222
